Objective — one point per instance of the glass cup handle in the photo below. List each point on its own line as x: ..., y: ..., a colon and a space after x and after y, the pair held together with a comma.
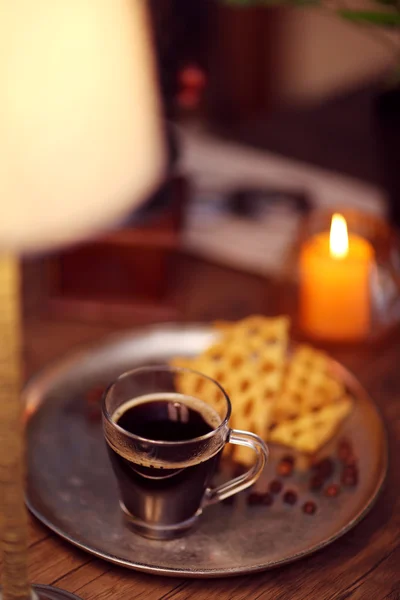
x: 238, y: 484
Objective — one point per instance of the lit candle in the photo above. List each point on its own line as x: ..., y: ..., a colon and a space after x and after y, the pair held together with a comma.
x: 335, y: 271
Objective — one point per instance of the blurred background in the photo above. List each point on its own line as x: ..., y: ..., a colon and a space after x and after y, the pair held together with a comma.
x: 270, y: 111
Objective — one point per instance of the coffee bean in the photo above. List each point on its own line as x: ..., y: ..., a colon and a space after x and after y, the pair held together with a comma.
x: 349, y: 476
x: 288, y: 458
x: 350, y: 461
x: 349, y: 480
x: 267, y: 499
x: 290, y: 497
x: 254, y: 499
x: 324, y: 468
x: 332, y: 490
x: 350, y: 469
x: 344, y: 449
x: 275, y: 487
x: 284, y: 468
x: 309, y: 507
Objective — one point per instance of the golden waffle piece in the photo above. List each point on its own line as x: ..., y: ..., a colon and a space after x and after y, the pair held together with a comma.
x: 309, y: 432
x: 291, y: 400
x: 248, y: 362
x: 308, y: 385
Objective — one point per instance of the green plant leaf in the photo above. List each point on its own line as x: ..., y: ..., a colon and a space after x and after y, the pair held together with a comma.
x: 370, y: 17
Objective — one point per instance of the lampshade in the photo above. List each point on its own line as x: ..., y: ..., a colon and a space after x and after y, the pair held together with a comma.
x: 80, y: 135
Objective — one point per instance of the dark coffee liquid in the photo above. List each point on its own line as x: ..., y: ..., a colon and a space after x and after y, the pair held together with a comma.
x: 153, y: 492
x: 164, y: 420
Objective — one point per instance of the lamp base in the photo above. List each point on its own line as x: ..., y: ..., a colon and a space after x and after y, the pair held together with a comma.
x: 48, y: 592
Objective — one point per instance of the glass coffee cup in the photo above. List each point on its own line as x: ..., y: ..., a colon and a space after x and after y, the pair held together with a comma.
x: 165, y: 444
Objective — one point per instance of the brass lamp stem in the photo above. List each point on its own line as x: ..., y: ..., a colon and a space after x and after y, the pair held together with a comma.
x: 12, y: 448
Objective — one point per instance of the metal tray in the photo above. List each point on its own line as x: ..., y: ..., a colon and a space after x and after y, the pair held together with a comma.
x: 72, y: 490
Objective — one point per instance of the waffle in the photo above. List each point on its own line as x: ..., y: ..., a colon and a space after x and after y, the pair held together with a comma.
x: 308, y: 385
x: 293, y: 400
x: 248, y: 362
x: 310, y: 431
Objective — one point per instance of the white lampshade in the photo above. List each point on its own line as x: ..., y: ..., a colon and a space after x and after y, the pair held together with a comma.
x: 80, y: 135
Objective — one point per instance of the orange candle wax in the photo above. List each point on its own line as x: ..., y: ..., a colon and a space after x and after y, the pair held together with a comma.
x: 334, y: 284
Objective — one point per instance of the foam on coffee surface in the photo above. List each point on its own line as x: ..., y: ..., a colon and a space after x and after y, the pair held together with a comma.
x: 208, y: 413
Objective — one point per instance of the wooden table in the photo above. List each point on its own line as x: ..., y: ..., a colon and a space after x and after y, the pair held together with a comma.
x: 363, y: 565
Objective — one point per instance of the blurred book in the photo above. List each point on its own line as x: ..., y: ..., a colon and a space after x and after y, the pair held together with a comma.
x: 246, y: 206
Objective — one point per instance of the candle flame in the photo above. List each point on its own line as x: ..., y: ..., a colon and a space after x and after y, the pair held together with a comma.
x: 339, y: 238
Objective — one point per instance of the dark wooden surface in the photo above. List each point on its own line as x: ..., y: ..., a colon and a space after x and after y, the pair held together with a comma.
x: 363, y: 565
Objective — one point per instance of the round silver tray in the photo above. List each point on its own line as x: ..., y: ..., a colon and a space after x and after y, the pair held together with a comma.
x: 72, y: 490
